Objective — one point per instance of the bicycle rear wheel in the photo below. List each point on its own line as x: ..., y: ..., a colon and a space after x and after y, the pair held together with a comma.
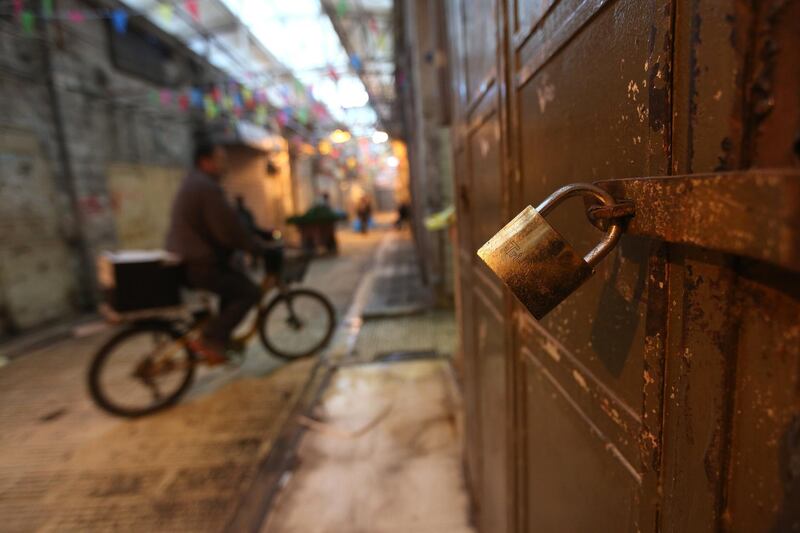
x: 297, y: 323
x: 142, y: 369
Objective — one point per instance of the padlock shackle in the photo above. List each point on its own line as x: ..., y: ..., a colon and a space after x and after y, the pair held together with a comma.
x: 614, y: 232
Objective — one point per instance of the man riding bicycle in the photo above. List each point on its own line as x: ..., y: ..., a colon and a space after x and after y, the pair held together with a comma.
x: 205, y: 231
x: 150, y: 362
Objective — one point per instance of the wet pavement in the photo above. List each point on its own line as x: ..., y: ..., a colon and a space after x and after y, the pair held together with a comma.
x: 208, y: 463
x: 380, y: 451
x: 66, y: 466
x: 381, y: 455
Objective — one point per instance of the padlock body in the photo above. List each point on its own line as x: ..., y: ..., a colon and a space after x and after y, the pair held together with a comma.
x: 535, y: 262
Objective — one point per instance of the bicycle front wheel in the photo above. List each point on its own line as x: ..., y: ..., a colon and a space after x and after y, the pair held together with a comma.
x: 142, y: 369
x: 297, y: 324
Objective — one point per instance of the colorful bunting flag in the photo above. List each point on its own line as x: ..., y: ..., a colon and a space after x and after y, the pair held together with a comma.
x: 47, y: 8
x: 356, y: 62
x: 194, y: 9
x: 283, y: 118
x: 332, y: 73
x: 211, y: 107
x: 247, y: 96
x: 302, y: 115
x: 119, y: 20
x: 341, y: 8
x: 237, y: 101
x: 28, y: 21
x: 196, y: 97
x: 17, y: 9
x: 73, y: 15
x: 299, y: 88
x: 183, y: 102
x: 319, y: 110
x: 165, y: 11
x: 165, y: 97
x: 261, y: 115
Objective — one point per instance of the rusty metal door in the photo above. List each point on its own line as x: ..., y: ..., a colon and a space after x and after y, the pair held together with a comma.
x: 664, y: 395
x: 478, y: 161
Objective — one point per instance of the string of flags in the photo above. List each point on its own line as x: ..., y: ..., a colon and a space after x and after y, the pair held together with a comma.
x: 229, y: 97
x: 216, y: 100
x: 119, y: 17
x: 239, y: 101
x: 341, y: 8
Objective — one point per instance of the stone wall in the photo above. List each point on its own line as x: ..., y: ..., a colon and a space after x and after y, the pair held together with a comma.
x: 59, y: 212
x: 263, y: 194
x: 141, y: 199
x: 36, y: 264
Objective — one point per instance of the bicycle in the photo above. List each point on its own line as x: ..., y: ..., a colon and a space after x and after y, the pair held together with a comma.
x: 150, y: 359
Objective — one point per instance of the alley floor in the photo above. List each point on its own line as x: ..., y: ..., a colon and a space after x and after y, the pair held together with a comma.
x: 382, y: 448
x: 381, y: 455
x: 66, y: 466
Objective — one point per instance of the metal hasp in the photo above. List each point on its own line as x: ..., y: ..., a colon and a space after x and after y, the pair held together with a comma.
x: 539, y: 266
x: 749, y: 213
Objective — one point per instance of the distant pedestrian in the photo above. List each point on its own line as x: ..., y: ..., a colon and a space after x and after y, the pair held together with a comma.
x: 272, y: 256
x: 249, y: 221
x: 364, y: 213
x: 403, y: 215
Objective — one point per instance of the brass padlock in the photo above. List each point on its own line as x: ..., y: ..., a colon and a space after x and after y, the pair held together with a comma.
x: 534, y: 260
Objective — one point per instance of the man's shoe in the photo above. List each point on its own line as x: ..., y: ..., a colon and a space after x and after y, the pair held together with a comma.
x: 206, y: 353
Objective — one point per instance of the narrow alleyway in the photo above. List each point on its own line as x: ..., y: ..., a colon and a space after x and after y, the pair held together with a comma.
x: 66, y: 466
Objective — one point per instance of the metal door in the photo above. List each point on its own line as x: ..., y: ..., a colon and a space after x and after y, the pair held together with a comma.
x: 664, y: 395
x: 479, y: 163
